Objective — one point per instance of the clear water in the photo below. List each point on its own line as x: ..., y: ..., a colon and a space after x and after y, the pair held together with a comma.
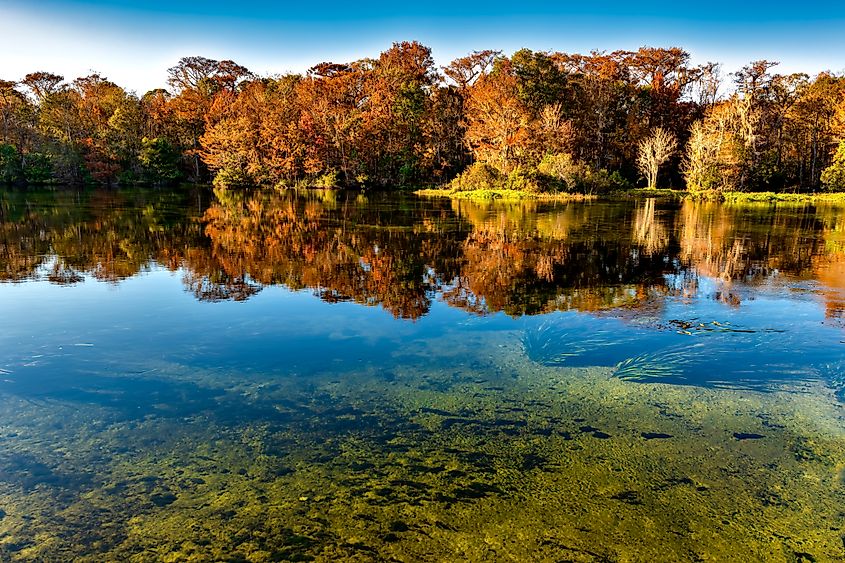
x: 271, y: 376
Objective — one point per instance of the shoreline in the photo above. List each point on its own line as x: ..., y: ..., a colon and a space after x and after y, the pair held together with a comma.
x: 503, y: 195
x: 721, y: 197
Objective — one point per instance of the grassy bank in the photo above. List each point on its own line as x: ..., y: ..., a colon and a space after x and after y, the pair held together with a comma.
x: 738, y: 197
x: 834, y: 198
x: 502, y: 194
x: 770, y: 197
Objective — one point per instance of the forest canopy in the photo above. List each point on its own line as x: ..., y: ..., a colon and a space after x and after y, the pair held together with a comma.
x: 533, y: 121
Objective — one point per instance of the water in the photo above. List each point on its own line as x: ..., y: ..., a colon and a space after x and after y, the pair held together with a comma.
x: 188, y: 375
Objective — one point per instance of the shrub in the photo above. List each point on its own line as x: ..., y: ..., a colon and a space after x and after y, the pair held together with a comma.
x: 408, y: 173
x: 529, y: 180
x: 833, y: 177
x: 599, y: 180
x: 231, y: 177
x: 478, y: 176
x: 559, y: 166
x: 555, y: 173
x: 329, y: 179
x: 566, y: 174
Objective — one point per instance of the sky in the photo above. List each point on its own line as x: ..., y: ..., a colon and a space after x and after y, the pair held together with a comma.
x: 133, y: 43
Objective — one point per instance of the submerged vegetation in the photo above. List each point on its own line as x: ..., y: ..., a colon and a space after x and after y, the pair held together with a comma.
x: 532, y: 122
x: 423, y: 463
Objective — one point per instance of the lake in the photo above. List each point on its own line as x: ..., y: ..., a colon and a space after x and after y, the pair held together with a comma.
x: 191, y: 375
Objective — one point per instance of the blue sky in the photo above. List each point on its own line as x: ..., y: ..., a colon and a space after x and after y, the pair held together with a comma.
x: 133, y: 43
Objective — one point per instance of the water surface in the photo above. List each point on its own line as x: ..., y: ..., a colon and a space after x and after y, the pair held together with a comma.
x: 265, y: 376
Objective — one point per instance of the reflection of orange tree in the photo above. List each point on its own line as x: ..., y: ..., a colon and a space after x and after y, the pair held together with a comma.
x: 533, y: 275
x: 516, y: 259
x: 23, y: 244
x: 342, y: 250
x: 107, y: 234
x: 829, y: 265
x: 710, y: 241
x: 747, y: 243
x: 602, y: 257
x: 830, y: 272
x: 522, y: 261
x: 398, y: 254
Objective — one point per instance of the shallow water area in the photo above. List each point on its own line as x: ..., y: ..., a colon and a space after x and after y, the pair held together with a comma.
x: 273, y: 376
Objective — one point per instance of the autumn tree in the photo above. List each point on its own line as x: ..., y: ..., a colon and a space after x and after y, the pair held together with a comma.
x: 42, y: 84
x: 604, y: 110
x: 705, y: 86
x: 232, y: 145
x: 715, y: 153
x: 665, y: 76
x: 464, y: 71
x: 531, y: 120
x: 810, y: 132
x: 397, y: 90
x: 110, y: 126
x: 288, y: 151
x: 10, y: 101
x: 497, y: 121
x: 444, y: 153
x: 196, y: 81
x: 701, y: 159
x: 192, y: 73
x: 158, y: 114
x: 654, y: 151
x: 333, y: 104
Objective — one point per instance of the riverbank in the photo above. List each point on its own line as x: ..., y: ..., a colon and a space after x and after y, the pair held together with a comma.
x: 837, y: 198
x: 503, y: 195
x: 768, y: 197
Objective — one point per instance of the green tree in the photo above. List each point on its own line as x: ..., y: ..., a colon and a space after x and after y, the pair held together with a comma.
x: 37, y: 168
x: 159, y: 160
x: 10, y: 164
x: 539, y: 81
x: 833, y: 177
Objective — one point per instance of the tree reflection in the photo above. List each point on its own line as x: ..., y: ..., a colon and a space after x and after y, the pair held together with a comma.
x: 400, y: 253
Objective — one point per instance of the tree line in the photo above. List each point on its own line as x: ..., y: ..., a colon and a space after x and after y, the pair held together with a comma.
x: 536, y: 121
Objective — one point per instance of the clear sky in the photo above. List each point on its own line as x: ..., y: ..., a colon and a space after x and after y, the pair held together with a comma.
x: 133, y: 43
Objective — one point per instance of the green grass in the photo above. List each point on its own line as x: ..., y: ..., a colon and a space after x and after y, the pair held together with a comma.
x: 770, y: 197
x: 649, y: 192
x: 834, y: 198
x: 502, y: 194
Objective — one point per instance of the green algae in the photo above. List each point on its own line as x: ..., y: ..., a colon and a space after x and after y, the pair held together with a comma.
x: 496, y: 458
